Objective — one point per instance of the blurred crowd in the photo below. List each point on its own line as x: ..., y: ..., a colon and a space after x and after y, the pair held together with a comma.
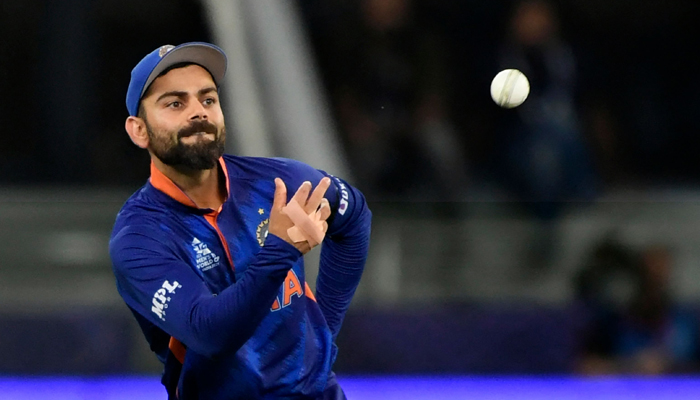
x: 612, y: 101
x: 408, y: 81
x: 633, y: 323
x: 613, y: 105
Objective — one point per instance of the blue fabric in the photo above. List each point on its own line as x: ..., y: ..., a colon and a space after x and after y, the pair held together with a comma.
x: 247, y: 336
x: 209, y: 56
x: 343, y: 257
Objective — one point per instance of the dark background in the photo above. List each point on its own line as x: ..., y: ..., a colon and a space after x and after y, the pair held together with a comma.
x: 65, y: 67
x: 64, y: 70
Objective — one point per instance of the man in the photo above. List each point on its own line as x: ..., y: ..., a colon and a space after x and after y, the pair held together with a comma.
x: 208, y: 254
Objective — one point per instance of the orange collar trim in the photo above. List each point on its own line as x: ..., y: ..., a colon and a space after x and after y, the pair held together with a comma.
x: 167, y: 186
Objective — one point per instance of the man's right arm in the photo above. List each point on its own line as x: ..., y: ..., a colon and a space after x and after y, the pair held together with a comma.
x: 165, y: 290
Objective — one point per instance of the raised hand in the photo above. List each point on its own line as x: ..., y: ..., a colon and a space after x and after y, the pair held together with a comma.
x: 309, y: 211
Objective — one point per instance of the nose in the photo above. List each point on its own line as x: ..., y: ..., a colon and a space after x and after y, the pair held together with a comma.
x: 199, y: 112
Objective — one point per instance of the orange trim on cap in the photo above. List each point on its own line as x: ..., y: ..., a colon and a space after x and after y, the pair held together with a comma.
x: 178, y: 349
x: 167, y: 186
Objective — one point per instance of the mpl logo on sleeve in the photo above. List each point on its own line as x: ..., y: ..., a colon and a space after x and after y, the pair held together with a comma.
x: 161, y: 298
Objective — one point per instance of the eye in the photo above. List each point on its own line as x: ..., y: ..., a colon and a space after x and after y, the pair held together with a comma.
x: 174, y: 104
x: 209, y: 101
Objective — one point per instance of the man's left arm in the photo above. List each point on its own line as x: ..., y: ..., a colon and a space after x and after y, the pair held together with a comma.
x: 345, y: 247
x: 343, y: 253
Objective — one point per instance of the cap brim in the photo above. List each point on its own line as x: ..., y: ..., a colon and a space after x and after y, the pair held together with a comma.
x: 204, y: 54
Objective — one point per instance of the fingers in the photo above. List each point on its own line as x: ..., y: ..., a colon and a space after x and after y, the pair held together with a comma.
x: 280, y: 198
x: 317, y: 195
x: 311, y: 204
x: 302, y: 193
x: 313, y: 207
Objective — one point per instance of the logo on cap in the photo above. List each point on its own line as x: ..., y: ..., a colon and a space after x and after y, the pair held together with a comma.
x: 165, y: 49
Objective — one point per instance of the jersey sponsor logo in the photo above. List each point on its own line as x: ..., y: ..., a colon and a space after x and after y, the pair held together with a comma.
x: 344, y: 197
x: 291, y: 288
x: 161, y: 298
x: 262, y: 231
x: 205, y: 258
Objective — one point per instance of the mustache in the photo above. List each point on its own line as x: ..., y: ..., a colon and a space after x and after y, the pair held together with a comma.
x: 197, y: 126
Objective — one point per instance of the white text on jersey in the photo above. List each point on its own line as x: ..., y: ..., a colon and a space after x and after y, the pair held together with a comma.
x: 161, y: 298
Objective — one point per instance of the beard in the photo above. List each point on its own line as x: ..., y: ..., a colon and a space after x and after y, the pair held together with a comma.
x: 201, y: 155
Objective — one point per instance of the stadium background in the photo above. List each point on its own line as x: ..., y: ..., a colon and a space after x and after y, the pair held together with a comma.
x: 471, y: 271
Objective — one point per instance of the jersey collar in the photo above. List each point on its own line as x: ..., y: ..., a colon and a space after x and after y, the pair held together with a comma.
x: 167, y: 186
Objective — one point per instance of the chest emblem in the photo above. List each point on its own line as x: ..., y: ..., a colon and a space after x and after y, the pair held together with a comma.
x: 262, y: 231
x: 205, y: 258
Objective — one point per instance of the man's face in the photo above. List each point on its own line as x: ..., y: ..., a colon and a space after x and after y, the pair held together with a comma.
x: 184, y: 120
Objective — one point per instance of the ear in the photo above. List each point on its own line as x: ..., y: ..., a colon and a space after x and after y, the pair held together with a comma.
x: 136, y: 128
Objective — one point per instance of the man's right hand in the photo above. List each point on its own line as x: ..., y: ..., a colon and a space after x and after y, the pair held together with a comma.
x: 280, y: 221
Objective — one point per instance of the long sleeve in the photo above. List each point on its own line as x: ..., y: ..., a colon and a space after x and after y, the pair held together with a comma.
x: 344, y: 251
x: 167, y: 292
x: 343, y: 255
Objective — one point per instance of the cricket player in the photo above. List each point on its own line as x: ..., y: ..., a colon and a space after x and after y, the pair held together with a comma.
x: 208, y: 253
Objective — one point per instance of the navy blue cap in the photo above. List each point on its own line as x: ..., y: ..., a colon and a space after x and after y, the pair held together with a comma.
x: 147, y: 70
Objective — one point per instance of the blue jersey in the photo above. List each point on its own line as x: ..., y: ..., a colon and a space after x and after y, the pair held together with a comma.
x: 224, y: 305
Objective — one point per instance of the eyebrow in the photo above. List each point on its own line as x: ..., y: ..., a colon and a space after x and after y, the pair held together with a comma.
x: 207, y: 90
x: 181, y: 94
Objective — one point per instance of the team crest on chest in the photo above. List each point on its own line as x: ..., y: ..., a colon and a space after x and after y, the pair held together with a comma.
x: 262, y: 231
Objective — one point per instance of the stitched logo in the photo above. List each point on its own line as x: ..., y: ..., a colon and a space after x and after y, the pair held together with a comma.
x: 205, y: 258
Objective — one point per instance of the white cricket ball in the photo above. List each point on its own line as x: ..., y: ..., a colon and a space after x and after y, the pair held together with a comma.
x: 510, y: 88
